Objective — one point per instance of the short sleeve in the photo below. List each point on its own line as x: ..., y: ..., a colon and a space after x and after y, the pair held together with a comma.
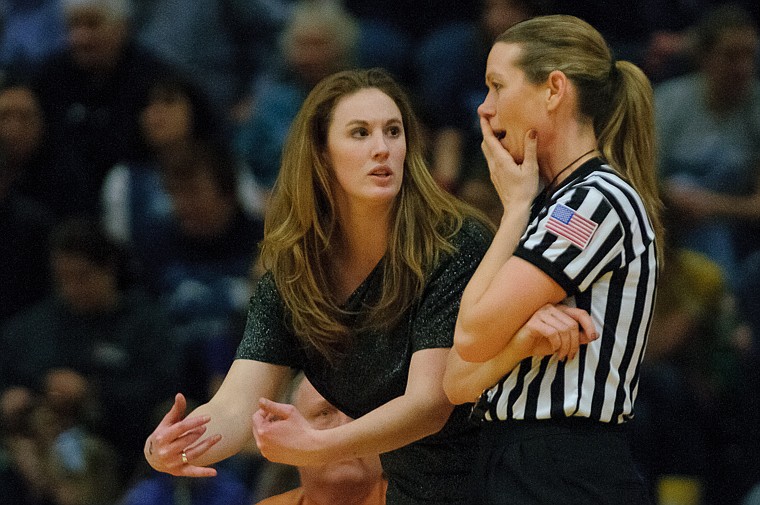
x: 436, y: 315
x: 266, y: 337
x: 576, y: 239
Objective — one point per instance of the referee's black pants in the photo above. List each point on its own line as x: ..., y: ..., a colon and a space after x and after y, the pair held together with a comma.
x: 562, y: 462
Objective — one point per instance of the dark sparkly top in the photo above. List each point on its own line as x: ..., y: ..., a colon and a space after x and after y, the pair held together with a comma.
x: 374, y: 370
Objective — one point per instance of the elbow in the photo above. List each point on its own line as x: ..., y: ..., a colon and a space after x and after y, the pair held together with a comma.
x: 469, y: 346
x: 471, y: 352
x: 456, y: 384
x: 455, y: 394
x: 439, y: 419
x: 436, y: 414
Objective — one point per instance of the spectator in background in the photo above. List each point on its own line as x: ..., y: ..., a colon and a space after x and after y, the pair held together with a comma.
x: 30, y: 31
x: 319, y: 39
x: 456, y: 136
x: 708, y: 125
x: 199, y: 263
x: 222, y: 44
x: 356, y: 481
x: 457, y: 162
x: 25, y: 143
x: 176, y: 118
x: 747, y: 468
x: 24, y: 223
x: 52, y: 447
x: 633, y: 27
x: 399, y: 35
x: 83, y: 467
x: 111, y: 338
x: 91, y: 95
x: 22, y: 475
x: 689, y: 378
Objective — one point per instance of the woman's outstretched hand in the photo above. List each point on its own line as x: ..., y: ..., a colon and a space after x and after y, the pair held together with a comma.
x: 283, y: 435
x: 174, y: 444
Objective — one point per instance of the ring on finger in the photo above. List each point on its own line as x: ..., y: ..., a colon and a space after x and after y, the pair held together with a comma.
x: 184, y: 458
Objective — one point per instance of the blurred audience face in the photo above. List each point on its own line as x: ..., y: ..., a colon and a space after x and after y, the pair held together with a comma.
x: 96, y: 36
x: 322, y: 415
x: 201, y: 208
x: 319, y: 40
x: 498, y: 15
x: 731, y: 64
x: 16, y: 404
x: 313, y: 53
x: 21, y: 124
x: 66, y: 391
x: 84, y: 286
x: 167, y: 119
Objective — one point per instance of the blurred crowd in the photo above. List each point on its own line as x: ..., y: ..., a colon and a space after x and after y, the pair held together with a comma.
x: 139, y: 141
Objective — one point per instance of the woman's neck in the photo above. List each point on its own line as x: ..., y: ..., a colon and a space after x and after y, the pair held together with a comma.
x: 567, y: 154
x: 362, y: 243
x: 364, y: 228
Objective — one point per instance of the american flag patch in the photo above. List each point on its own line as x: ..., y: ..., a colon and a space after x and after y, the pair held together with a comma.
x: 567, y: 223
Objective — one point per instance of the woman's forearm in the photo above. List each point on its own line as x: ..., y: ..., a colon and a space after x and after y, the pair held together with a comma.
x: 395, y: 424
x: 232, y: 407
x: 285, y: 436
x: 465, y: 381
x: 422, y: 410
x: 553, y: 329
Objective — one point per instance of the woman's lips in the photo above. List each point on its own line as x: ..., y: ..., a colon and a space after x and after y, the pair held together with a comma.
x: 381, y: 172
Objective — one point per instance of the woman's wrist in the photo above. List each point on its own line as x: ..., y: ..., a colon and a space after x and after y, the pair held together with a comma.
x: 515, y: 219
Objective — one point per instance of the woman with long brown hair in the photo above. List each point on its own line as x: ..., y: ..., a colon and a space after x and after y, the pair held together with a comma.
x: 366, y: 260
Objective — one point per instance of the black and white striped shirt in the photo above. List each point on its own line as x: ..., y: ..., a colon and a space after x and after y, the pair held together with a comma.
x: 593, y: 237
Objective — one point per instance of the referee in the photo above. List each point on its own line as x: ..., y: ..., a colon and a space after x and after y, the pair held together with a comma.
x: 554, y: 322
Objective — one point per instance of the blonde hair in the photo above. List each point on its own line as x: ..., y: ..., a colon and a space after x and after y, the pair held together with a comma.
x: 302, y: 221
x: 615, y: 95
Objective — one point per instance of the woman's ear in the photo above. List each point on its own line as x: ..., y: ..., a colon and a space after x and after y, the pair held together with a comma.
x: 556, y: 87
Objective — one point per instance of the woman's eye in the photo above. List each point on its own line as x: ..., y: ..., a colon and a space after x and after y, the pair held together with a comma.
x: 360, y: 132
x: 394, y: 131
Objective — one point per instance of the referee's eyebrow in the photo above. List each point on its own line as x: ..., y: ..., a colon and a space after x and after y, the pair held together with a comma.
x: 490, y: 76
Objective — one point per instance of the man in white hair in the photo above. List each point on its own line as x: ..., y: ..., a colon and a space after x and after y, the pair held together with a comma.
x: 91, y: 93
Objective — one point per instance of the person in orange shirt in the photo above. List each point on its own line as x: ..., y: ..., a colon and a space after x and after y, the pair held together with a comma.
x: 357, y: 481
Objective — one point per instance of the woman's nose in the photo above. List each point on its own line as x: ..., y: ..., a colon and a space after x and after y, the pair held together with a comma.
x: 380, y: 146
x: 486, y: 109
